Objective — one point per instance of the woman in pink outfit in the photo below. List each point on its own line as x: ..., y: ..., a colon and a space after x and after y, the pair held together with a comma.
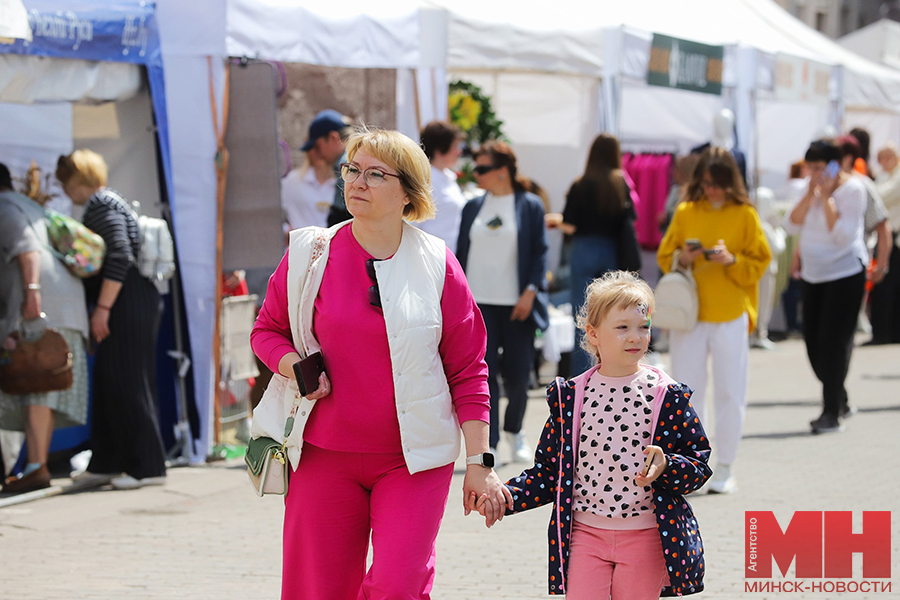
x: 403, y: 345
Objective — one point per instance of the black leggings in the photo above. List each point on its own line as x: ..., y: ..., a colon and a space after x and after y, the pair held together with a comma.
x: 830, y: 314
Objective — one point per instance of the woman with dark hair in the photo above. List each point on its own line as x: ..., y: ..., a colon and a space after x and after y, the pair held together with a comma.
x: 861, y: 164
x: 830, y: 220
x: 598, y: 206
x: 441, y: 143
x: 503, y: 250
x: 717, y: 234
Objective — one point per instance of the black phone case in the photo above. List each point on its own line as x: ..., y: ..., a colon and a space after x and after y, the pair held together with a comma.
x: 307, y: 371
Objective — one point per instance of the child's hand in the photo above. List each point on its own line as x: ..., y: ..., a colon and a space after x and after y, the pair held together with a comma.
x: 659, y: 464
x: 482, y: 508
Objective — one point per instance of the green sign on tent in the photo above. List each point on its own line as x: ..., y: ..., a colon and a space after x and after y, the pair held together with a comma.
x: 685, y: 65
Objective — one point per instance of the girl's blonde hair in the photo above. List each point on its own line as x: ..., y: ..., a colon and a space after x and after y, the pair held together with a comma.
x: 84, y: 167
x: 407, y: 157
x: 613, y: 289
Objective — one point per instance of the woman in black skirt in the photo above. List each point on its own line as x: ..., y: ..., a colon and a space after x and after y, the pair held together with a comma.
x: 125, y: 311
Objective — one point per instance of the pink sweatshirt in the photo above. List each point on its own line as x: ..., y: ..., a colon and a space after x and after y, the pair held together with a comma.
x: 360, y: 413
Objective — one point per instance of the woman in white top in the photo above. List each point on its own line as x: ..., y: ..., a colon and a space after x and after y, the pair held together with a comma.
x: 503, y: 249
x: 830, y: 221
x: 441, y: 143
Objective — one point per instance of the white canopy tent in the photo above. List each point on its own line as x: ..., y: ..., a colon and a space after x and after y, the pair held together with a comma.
x: 870, y: 95
x: 196, y: 37
x: 543, y: 73
x: 880, y: 43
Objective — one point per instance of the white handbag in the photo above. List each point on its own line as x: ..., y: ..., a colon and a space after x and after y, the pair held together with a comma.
x: 267, y: 459
x: 676, y: 299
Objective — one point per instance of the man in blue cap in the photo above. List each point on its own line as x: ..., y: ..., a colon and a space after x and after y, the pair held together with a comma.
x: 328, y: 134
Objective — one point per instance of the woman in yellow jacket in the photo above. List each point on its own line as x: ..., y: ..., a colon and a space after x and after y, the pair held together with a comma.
x: 716, y: 232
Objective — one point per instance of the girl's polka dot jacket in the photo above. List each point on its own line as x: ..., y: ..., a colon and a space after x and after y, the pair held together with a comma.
x: 681, y: 436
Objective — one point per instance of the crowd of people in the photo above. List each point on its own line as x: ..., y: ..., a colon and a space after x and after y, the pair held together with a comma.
x: 729, y: 237
x: 448, y: 289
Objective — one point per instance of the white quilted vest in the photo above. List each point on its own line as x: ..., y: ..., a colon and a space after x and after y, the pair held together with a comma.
x: 411, y: 284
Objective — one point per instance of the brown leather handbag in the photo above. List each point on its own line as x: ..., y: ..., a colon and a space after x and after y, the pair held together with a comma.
x: 42, y: 365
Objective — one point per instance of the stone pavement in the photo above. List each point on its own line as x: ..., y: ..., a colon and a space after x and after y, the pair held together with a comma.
x: 206, y: 535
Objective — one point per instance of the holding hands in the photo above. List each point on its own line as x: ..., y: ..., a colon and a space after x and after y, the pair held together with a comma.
x: 484, y: 492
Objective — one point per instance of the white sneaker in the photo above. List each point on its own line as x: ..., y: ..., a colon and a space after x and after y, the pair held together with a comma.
x: 126, y: 482
x: 521, y: 451
x: 722, y: 481
x: 79, y: 463
x: 87, y: 476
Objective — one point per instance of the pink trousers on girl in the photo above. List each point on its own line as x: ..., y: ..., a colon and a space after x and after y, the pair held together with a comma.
x: 617, y: 564
x: 335, y: 499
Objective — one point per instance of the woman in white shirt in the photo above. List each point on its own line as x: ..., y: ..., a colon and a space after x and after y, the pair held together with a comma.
x: 503, y: 249
x: 830, y: 221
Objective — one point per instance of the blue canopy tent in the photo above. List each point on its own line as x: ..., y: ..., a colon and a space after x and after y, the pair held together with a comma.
x: 125, y: 32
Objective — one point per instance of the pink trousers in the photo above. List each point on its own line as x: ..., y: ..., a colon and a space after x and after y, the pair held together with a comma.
x: 335, y: 500
x: 622, y: 565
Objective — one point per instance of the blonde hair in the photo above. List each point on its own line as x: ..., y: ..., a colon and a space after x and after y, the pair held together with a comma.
x: 405, y: 156
x: 621, y: 289
x: 82, y: 167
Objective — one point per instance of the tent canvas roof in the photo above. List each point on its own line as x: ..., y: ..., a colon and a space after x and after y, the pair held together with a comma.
x: 878, y: 42
x: 480, y: 35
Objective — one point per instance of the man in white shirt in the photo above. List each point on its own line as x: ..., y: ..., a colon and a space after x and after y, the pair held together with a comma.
x: 885, y: 296
x: 307, y: 192
x: 441, y: 142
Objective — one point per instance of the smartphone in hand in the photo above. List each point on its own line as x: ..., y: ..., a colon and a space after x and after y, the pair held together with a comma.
x: 693, y: 244
x: 307, y: 371
x: 832, y: 169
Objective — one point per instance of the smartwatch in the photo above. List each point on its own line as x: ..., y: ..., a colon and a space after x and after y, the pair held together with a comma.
x: 485, y: 459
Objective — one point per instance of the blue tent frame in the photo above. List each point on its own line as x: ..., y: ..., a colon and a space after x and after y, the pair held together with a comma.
x: 115, y: 31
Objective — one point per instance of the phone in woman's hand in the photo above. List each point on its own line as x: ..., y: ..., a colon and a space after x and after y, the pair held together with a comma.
x: 307, y: 371
x: 832, y: 169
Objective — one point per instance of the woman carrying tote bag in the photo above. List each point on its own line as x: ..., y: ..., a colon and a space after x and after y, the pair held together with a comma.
x: 716, y: 233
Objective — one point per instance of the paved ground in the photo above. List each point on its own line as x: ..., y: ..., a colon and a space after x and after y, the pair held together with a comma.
x: 205, y: 535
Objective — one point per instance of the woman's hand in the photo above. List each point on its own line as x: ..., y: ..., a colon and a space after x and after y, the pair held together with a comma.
x: 827, y: 185
x: 553, y: 220
x: 323, y: 390
x: 100, y: 324
x: 483, y: 491
x: 522, y: 310
x: 720, y: 254
x: 689, y: 254
x: 659, y: 464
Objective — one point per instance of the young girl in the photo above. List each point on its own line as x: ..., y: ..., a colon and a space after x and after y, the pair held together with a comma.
x: 618, y: 531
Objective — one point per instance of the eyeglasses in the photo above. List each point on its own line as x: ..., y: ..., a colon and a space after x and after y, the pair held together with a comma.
x: 372, y: 176
x: 374, y: 292
x: 483, y: 169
